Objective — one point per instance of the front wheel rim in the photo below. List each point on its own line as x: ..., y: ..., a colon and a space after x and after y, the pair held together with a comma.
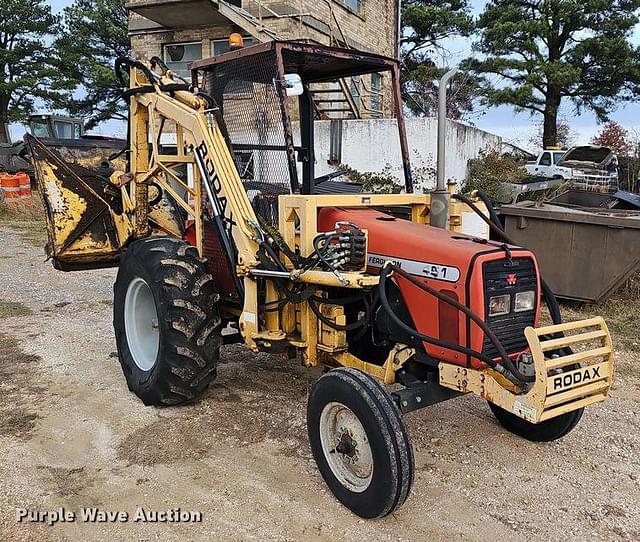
x: 141, y: 324
x: 346, y: 447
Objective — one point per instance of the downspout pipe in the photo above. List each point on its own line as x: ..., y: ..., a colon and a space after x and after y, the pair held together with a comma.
x: 440, y: 197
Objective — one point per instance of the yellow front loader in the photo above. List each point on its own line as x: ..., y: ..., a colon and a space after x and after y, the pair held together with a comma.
x: 220, y: 220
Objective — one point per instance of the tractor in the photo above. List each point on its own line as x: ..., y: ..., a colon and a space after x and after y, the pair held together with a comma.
x: 222, y: 233
x: 13, y: 156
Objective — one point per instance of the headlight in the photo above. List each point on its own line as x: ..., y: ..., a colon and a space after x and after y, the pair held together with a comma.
x: 499, y: 305
x: 525, y: 301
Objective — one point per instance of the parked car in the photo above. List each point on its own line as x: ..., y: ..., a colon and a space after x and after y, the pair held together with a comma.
x: 546, y: 165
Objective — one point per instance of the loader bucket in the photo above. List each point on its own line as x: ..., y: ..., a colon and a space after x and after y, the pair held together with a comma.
x: 78, y: 205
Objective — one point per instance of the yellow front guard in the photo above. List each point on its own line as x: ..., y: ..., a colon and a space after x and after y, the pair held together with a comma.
x: 555, y: 391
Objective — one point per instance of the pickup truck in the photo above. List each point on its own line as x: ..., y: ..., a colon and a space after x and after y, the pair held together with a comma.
x: 591, y: 167
x: 546, y: 165
x: 586, y: 166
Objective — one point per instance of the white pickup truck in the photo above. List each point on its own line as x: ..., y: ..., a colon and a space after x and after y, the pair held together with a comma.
x: 546, y: 165
x: 586, y: 166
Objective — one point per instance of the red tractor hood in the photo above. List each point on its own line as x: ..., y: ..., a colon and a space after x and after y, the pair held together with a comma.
x: 421, y: 250
x: 465, y: 268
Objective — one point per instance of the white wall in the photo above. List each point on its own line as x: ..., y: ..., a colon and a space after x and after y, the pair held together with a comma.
x: 369, y: 145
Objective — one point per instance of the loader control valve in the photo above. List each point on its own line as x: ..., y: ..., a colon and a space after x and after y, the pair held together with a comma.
x: 343, y: 249
x: 353, y: 241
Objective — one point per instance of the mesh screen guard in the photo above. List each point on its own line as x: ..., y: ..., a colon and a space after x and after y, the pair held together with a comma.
x: 250, y: 105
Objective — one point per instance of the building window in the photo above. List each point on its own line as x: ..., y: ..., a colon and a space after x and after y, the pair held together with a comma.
x: 219, y: 47
x: 376, y: 91
x: 178, y: 56
x: 355, y: 91
x: 354, y: 5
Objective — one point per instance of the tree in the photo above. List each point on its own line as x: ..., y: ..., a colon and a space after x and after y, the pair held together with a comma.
x: 632, y: 165
x: 27, y: 72
x: 426, y: 24
x: 95, y: 34
x: 565, y: 135
x: 545, y: 51
x: 615, y: 136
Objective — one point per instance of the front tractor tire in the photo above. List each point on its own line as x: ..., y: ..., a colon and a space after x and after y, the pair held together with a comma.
x: 546, y: 431
x: 166, y: 321
x: 360, y: 442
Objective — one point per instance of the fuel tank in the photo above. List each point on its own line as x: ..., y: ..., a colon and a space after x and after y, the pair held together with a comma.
x: 467, y: 269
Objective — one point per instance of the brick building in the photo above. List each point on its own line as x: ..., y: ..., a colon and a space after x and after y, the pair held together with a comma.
x: 180, y: 31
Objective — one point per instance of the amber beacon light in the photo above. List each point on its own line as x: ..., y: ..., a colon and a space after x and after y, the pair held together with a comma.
x: 236, y: 41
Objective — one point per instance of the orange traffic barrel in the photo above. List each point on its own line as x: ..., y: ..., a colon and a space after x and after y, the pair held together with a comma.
x: 11, y: 187
x: 25, y: 185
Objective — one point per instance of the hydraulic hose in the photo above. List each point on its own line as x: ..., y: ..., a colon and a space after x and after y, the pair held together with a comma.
x: 506, y: 361
x: 211, y: 103
x: 149, y: 89
x: 348, y: 327
x: 339, y: 300
x: 126, y: 61
x: 384, y: 301
x: 492, y: 212
x: 495, y: 227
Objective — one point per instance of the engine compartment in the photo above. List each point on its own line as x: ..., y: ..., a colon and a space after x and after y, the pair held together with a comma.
x: 498, y: 282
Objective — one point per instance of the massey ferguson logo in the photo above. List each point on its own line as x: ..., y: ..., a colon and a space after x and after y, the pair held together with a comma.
x: 512, y: 279
x: 574, y: 378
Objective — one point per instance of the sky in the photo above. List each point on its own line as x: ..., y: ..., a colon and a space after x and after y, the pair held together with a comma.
x: 519, y: 128
x: 514, y: 127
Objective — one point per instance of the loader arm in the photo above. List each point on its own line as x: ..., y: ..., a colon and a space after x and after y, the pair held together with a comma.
x: 202, y: 147
x: 206, y: 150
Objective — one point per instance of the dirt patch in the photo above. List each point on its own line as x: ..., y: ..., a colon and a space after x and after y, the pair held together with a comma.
x: 622, y: 316
x: 627, y: 374
x: 18, y: 395
x: 242, y: 408
x: 10, y: 309
x: 68, y: 482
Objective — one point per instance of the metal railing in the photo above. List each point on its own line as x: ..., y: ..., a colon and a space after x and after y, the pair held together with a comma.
x: 336, y: 34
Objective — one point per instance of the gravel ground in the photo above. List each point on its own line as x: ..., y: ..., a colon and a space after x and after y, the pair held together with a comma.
x: 72, y: 436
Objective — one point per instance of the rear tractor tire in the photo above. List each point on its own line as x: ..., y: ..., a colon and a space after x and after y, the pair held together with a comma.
x: 166, y: 321
x: 360, y: 442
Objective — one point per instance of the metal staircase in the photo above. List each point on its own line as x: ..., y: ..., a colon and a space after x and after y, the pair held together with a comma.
x: 331, y: 100
x: 251, y: 24
x: 334, y: 100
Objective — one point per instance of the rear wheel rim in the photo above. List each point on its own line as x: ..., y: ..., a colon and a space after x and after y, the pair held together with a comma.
x: 346, y: 447
x: 141, y: 324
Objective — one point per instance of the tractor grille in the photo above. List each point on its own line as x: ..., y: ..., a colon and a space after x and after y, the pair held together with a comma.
x: 509, y: 328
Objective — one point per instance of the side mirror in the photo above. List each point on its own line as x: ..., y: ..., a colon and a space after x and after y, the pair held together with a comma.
x: 293, y: 84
